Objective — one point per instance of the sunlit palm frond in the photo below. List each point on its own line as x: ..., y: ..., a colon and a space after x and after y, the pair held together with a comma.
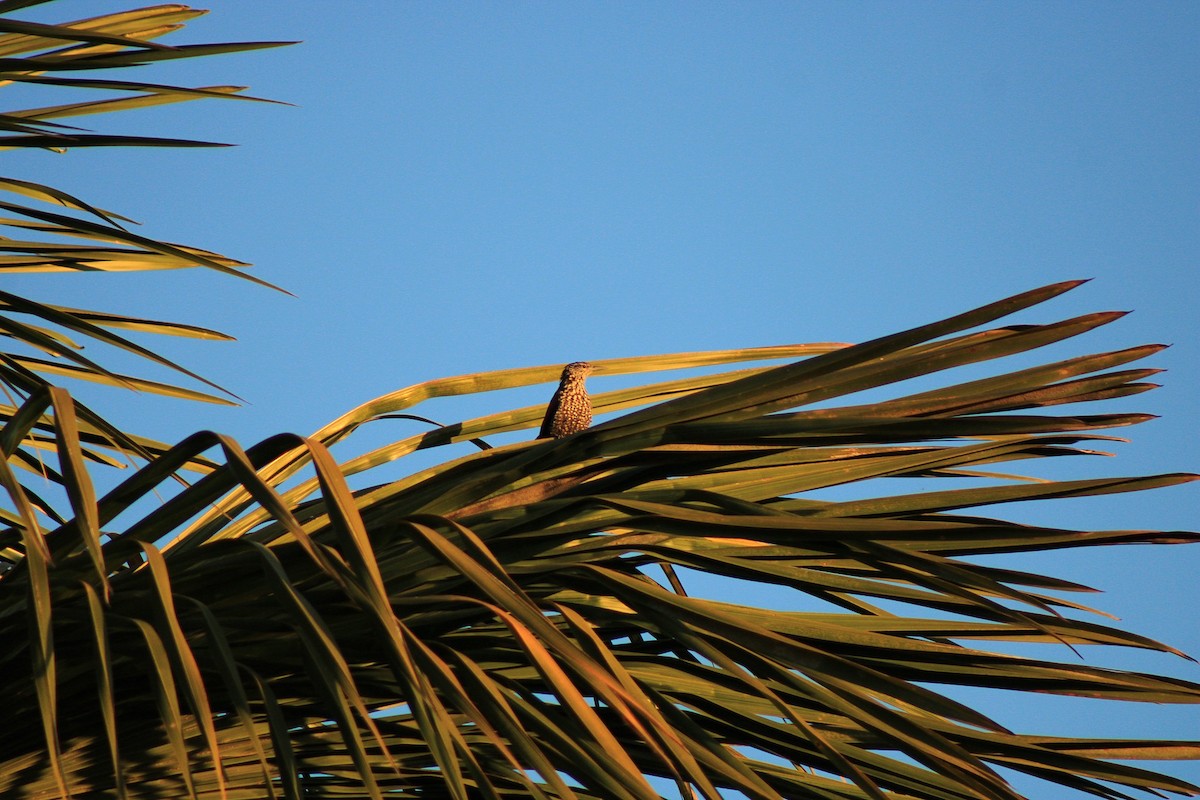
x: 59, y: 232
x: 501, y: 625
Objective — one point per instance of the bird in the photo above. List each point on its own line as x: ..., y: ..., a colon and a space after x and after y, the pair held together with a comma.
x: 570, y: 409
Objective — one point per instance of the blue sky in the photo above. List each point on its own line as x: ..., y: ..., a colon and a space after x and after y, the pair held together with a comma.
x: 464, y: 187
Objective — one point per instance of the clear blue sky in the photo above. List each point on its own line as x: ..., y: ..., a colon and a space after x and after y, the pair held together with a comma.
x: 464, y: 187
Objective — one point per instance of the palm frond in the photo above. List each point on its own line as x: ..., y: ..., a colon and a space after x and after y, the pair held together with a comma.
x: 59, y: 232
x: 494, y: 626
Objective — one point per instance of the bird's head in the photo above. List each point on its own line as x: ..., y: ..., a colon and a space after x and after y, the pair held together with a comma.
x: 577, y: 370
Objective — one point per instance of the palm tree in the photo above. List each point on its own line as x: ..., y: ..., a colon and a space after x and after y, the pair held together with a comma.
x: 516, y: 621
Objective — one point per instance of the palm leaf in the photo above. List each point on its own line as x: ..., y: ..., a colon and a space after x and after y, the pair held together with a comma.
x: 44, y: 339
x: 492, y: 626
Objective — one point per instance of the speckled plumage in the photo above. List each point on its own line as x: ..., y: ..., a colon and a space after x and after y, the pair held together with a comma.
x: 570, y: 409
